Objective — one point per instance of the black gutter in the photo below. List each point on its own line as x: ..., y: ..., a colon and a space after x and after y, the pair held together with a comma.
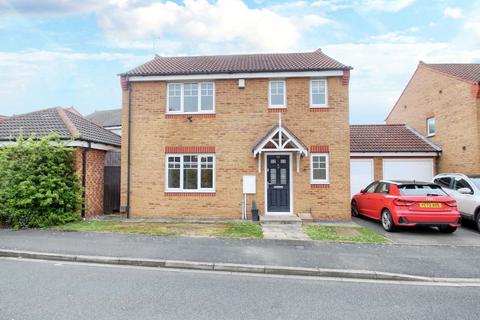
x: 129, y: 134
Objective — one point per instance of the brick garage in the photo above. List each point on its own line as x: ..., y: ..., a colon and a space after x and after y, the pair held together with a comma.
x: 91, y: 142
x: 395, y: 152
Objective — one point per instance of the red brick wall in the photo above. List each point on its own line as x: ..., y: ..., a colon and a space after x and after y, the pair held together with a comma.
x: 95, y: 160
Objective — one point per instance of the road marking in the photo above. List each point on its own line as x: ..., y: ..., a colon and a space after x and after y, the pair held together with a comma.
x: 450, y: 283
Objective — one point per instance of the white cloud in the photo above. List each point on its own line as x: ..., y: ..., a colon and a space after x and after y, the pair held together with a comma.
x: 221, y: 24
x: 394, y: 37
x: 364, y: 5
x: 454, y: 13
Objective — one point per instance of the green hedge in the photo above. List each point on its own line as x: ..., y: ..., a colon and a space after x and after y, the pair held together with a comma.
x: 38, y: 184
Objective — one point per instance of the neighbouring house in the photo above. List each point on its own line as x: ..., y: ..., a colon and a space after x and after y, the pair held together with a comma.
x: 194, y: 127
x: 391, y: 152
x: 90, y: 140
x: 442, y: 102
x: 109, y: 119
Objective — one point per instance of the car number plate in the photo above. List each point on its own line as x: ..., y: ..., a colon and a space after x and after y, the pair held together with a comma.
x: 430, y: 205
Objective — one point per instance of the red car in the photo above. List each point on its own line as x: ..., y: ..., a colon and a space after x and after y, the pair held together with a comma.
x: 407, y: 203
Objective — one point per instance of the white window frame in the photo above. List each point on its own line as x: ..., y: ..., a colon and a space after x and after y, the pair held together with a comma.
x: 431, y: 134
x: 199, y: 186
x: 327, y: 169
x: 277, y: 106
x: 324, y: 105
x: 182, y: 105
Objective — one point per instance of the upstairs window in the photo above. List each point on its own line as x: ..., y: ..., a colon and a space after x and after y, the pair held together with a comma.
x: 190, y: 172
x: 277, y: 94
x: 192, y: 97
x: 318, y: 93
x: 431, y: 126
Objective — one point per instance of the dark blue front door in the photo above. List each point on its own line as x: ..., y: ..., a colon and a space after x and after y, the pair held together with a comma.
x: 278, y: 183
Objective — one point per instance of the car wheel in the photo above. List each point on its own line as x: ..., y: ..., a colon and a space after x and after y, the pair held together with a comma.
x: 477, y: 220
x: 387, y: 221
x: 355, y: 212
x: 447, y: 229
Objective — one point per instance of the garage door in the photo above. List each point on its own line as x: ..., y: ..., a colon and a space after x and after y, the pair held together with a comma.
x: 408, y: 169
x: 361, y: 174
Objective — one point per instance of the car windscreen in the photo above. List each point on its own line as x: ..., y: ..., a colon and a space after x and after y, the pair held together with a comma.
x: 476, y: 181
x: 421, y: 190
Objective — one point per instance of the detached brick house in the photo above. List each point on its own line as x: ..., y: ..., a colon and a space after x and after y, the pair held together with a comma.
x: 442, y: 102
x: 90, y: 140
x: 193, y: 127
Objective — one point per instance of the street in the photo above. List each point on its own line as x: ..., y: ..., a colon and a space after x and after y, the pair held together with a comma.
x: 52, y: 290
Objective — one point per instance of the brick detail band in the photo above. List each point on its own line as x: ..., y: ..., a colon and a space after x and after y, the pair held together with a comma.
x: 124, y: 83
x: 190, y: 194
x: 318, y: 149
x: 319, y: 186
x: 319, y: 109
x: 429, y: 115
x: 193, y: 149
x: 191, y: 116
x: 277, y: 109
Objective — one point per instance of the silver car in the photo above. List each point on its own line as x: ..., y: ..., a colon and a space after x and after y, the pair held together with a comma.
x: 465, y: 190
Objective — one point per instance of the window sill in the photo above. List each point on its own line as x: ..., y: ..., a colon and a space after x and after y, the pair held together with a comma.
x: 189, y: 193
x: 431, y: 135
x: 279, y: 109
x: 317, y: 185
x: 189, y: 115
x: 319, y: 109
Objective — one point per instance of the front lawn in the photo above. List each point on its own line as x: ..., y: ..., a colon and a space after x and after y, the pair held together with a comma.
x: 227, y: 230
x: 344, y: 234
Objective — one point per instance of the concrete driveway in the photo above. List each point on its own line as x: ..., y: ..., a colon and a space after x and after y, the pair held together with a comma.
x: 467, y: 235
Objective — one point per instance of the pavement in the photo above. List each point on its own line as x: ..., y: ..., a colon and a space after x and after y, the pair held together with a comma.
x: 420, y: 260
x: 282, y: 231
x: 467, y: 235
x: 54, y: 290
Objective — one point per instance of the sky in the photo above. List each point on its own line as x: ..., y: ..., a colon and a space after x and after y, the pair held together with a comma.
x: 69, y: 53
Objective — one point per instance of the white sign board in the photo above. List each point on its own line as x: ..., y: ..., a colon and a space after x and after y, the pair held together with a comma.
x: 249, y: 184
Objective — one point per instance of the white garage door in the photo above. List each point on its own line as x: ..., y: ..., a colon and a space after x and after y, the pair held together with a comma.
x: 408, y: 169
x: 361, y: 174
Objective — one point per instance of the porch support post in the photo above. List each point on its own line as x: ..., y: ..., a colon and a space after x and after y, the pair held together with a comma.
x: 260, y: 162
x: 298, y: 162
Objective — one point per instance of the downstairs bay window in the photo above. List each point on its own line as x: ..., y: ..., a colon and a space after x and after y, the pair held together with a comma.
x: 190, y: 173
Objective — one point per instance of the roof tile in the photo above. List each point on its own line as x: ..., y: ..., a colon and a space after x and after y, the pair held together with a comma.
x: 388, y: 138
x: 465, y: 71
x: 245, y: 63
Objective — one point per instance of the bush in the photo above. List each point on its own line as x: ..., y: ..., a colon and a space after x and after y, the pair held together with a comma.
x: 38, y: 184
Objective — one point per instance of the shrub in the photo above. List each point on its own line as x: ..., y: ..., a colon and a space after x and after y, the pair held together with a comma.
x: 38, y: 184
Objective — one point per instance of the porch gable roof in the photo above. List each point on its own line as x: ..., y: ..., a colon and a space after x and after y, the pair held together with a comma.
x: 280, y: 139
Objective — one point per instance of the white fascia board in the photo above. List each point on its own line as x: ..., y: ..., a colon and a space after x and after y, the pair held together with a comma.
x: 93, y: 145
x: 213, y: 76
x: 82, y: 144
x: 393, y: 154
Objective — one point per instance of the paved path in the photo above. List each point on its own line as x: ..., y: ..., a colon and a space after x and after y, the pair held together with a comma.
x: 431, y: 261
x: 280, y: 231
x: 52, y: 290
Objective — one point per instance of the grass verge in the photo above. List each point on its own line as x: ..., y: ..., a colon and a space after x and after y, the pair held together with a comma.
x: 329, y: 233
x: 227, y: 230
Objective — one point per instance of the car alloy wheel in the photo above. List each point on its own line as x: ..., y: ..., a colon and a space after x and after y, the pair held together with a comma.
x: 387, y: 221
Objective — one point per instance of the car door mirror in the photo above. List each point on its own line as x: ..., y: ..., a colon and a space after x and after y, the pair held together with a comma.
x: 363, y: 191
x: 465, y: 191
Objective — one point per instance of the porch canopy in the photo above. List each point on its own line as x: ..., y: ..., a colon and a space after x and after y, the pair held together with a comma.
x: 279, y: 139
